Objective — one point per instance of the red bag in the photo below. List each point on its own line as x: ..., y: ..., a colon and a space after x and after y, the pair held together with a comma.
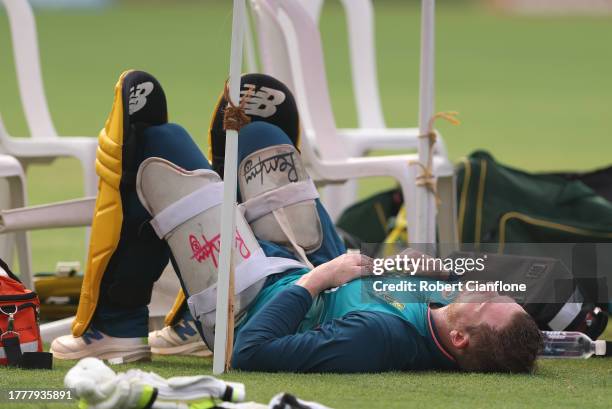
x: 20, y: 341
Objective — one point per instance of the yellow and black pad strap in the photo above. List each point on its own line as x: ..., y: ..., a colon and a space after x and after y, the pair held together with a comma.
x: 268, y: 100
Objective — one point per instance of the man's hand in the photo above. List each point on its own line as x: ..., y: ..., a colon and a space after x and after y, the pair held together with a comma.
x: 336, y: 272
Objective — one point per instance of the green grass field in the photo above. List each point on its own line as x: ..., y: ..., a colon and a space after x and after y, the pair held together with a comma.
x: 533, y: 91
x: 578, y: 384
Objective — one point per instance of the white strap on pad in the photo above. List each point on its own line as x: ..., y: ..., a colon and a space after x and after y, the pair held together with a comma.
x: 258, y: 267
x: 189, y: 206
x: 286, y: 195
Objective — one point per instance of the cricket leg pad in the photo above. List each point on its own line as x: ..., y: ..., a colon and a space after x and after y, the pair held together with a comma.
x: 186, y: 210
x: 139, y: 102
x: 278, y: 196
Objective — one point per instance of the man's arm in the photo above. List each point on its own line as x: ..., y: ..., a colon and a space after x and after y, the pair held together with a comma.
x: 359, y: 342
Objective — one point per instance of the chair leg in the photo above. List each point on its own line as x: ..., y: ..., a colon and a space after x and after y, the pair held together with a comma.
x: 7, y: 247
x: 25, y: 259
x: 409, y: 194
x: 447, y: 215
x: 17, y: 192
x: 51, y: 330
x: 337, y: 197
x: 7, y: 241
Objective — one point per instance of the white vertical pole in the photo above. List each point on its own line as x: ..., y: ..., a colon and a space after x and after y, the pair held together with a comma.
x: 249, y: 46
x: 426, y: 205
x: 228, y: 212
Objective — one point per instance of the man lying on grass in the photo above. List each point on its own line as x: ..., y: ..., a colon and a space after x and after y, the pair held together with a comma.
x: 302, y: 304
x: 331, y: 320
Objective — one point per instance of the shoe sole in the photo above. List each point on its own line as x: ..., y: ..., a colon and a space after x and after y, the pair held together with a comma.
x: 115, y: 354
x: 191, y: 349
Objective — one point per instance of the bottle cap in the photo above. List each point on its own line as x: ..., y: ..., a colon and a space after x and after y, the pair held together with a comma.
x: 600, y: 347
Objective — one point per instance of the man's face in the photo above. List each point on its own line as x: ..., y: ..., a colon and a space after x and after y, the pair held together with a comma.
x: 486, y: 307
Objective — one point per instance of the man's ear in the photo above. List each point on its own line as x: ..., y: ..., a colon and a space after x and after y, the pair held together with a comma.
x: 459, y: 339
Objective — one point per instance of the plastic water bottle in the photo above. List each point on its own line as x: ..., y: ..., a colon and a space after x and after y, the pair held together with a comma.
x: 569, y: 344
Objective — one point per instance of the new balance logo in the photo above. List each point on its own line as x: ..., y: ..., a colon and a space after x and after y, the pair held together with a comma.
x: 92, y: 334
x: 263, y: 102
x: 184, y: 330
x: 138, y: 96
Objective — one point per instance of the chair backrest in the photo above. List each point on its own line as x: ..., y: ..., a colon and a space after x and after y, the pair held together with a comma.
x: 301, y: 46
x: 273, y: 53
x: 27, y: 66
x: 362, y: 48
x: 360, y: 22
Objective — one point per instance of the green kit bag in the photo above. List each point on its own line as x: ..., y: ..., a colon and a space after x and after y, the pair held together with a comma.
x: 498, y: 204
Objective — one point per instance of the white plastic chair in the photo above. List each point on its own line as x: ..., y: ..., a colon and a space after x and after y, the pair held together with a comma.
x: 14, y: 197
x: 44, y: 144
x: 331, y: 156
x: 372, y: 132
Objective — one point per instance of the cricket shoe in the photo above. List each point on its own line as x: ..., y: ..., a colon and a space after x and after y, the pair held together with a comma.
x: 181, y: 338
x: 94, y: 343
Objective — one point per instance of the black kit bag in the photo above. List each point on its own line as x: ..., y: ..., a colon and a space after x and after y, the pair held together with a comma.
x: 554, y: 296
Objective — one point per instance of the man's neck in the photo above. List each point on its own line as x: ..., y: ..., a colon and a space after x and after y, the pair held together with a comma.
x: 440, y: 322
